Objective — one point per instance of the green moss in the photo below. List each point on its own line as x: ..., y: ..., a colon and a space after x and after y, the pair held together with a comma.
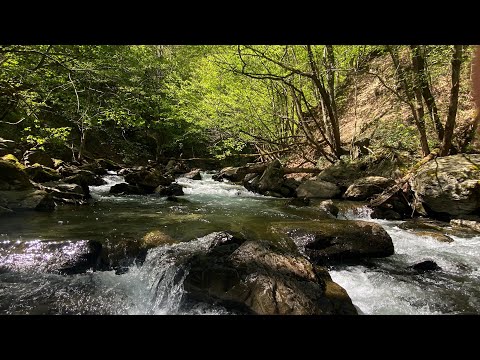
x: 12, y: 159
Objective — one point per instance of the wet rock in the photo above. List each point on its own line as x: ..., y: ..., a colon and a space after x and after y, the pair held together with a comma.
x: 193, y: 175
x: 12, y: 176
x: 366, y: 187
x: 331, y: 241
x: 126, y: 189
x: 156, y: 238
x: 176, y: 167
x: 4, y: 210
x: 148, y: 179
x: 298, y: 202
x: 28, y: 200
x: 94, y: 167
x: 427, y: 265
x: 329, y: 207
x: 449, y: 185
x: 386, y: 214
x: 64, y: 257
x: 260, y: 278
x: 108, y: 164
x: 173, y: 198
x: 464, y: 223
x: 40, y: 173
x: 317, y: 189
x: 37, y: 156
x: 272, y: 178
x: 66, y: 193
x: 250, y: 182
x: 435, y: 235
x: 173, y: 189
x: 84, y: 178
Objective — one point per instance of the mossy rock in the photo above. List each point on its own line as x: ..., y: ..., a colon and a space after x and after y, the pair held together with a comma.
x: 40, y: 173
x: 156, y: 238
x: 12, y: 176
x: 13, y: 159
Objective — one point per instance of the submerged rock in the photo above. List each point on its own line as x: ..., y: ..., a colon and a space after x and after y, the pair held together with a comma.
x: 331, y: 241
x: 435, y: 235
x: 259, y: 278
x: 298, y: 202
x: 329, y: 207
x: 126, y: 189
x: 427, y: 265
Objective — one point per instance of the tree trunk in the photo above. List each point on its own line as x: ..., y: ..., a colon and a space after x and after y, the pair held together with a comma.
x: 328, y: 104
x: 420, y: 121
x: 81, y: 150
x: 419, y: 65
x: 452, y: 108
x: 476, y: 96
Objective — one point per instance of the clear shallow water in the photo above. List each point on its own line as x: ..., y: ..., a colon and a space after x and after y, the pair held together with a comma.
x: 384, y: 286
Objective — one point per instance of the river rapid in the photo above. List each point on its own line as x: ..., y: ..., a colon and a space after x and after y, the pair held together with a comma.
x: 379, y: 286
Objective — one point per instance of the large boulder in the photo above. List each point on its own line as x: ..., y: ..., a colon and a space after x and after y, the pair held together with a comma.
x: 66, y: 193
x: 40, y: 173
x: 84, y: 178
x: 37, y: 156
x: 12, y: 176
x: 449, y: 185
x: 28, y: 200
x: 94, y: 167
x: 148, y: 179
x: 317, y: 189
x: 332, y: 241
x: 366, y: 187
x: 108, y: 164
x: 257, y: 277
x: 64, y: 257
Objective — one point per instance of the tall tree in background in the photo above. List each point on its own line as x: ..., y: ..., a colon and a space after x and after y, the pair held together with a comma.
x: 452, y: 108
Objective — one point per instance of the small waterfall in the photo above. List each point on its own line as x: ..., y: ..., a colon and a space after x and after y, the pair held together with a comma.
x: 111, y: 179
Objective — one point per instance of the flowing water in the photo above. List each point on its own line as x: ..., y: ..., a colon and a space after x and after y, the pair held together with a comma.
x: 382, y: 286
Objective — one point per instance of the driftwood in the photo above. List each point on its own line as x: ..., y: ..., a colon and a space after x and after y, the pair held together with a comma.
x: 389, y: 192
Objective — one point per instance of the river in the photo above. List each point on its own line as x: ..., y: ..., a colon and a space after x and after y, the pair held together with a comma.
x: 383, y: 286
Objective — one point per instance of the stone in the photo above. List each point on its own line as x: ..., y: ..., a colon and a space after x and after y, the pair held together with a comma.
x: 256, y: 277
x: 173, y: 189
x: 298, y: 202
x: 364, y: 188
x: 36, y: 156
x: 435, y: 235
x: 332, y: 241
x: 449, y: 185
x: 40, y: 173
x: 84, y: 178
x: 193, y: 175
x: 156, y: 238
x: 317, y: 189
x: 272, y: 178
x: 148, y: 180
x: 108, y: 164
x: 28, y: 200
x: 463, y: 223
x: 426, y: 265
x: 329, y: 207
x: 126, y: 189
x: 12, y: 177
